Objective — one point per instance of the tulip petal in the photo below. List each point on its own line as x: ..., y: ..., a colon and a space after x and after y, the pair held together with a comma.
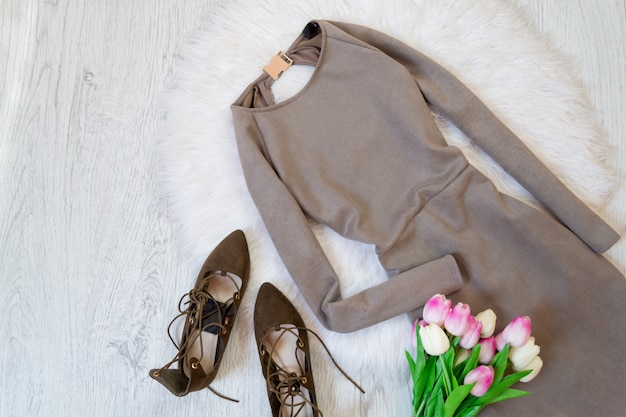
x: 487, y: 350
x: 488, y: 319
x: 472, y: 335
x: 434, y: 339
x: 457, y: 320
x: 521, y: 356
x: 500, y: 342
x: 517, y: 332
x: 536, y: 364
x: 461, y: 355
x: 436, y: 309
x: 483, y: 377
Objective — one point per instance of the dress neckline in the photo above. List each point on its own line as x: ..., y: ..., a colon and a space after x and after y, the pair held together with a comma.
x: 250, y: 90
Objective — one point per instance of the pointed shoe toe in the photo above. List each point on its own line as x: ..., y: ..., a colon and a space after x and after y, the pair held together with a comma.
x: 273, y: 308
x: 230, y: 255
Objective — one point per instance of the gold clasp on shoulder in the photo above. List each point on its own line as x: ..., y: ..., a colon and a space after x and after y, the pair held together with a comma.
x: 279, y: 63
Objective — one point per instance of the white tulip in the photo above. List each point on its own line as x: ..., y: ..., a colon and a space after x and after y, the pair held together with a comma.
x: 523, y: 355
x: 488, y: 319
x: 536, y: 364
x: 434, y: 340
x: 461, y: 355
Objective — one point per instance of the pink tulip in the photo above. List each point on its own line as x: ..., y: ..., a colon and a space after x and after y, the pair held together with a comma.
x: 482, y: 376
x: 472, y: 334
x: 500, y: 342
x: 517, y: 332
x: 487, y: 350
x: 458, y: 319
x: 416, y: 324
x: 436, y: 309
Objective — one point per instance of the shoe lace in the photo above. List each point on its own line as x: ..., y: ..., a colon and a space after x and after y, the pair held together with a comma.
x: 288, y: 385
x: 196, y: 306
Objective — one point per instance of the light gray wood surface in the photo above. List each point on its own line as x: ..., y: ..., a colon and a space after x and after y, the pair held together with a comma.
x: 88, y: 253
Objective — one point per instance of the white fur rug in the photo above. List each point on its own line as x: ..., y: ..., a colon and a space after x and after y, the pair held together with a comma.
x: 488, y: 45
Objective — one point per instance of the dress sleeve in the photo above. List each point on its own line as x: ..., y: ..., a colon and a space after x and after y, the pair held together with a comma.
x: 307, y: 263
x: 461, y: 106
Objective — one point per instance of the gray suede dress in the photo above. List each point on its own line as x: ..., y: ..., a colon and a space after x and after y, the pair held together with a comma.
x: 357, y: 149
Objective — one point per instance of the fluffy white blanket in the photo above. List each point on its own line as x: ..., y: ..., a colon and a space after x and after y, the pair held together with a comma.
x: 488, y: 45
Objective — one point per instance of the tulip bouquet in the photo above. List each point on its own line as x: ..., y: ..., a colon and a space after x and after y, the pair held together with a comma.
x: 460, y: 367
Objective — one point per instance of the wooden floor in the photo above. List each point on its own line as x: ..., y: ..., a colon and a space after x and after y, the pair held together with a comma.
x: 86, y: 245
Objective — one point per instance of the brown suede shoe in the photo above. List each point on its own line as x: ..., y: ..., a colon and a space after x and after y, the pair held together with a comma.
x: 210, y: 310
x: 283, y: 347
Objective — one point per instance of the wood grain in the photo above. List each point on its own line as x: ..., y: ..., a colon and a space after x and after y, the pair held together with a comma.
x: 89, y: 256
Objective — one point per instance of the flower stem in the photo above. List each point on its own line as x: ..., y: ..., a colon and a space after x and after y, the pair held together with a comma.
x: 447, y: 383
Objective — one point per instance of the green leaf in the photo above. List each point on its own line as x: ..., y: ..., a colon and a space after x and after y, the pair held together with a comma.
x: 420, y: 357
x: 470, y: 412
x: 439, y: 404
x: 455, y: 341
x: 434, y: 406
x: 412, y: 366
x: 458, y: 369
x: 500, y: 363
x: 471, y: 363
x: 448, y: 359
x: 423, y: 385
x: 438, y: 384
x: 433, y: 387
x: 420, y: 410
x: 510, y: 393
x: 445, y: 364
x: 429, y: 411
x: 455, y: 399
x: 500, y: 387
